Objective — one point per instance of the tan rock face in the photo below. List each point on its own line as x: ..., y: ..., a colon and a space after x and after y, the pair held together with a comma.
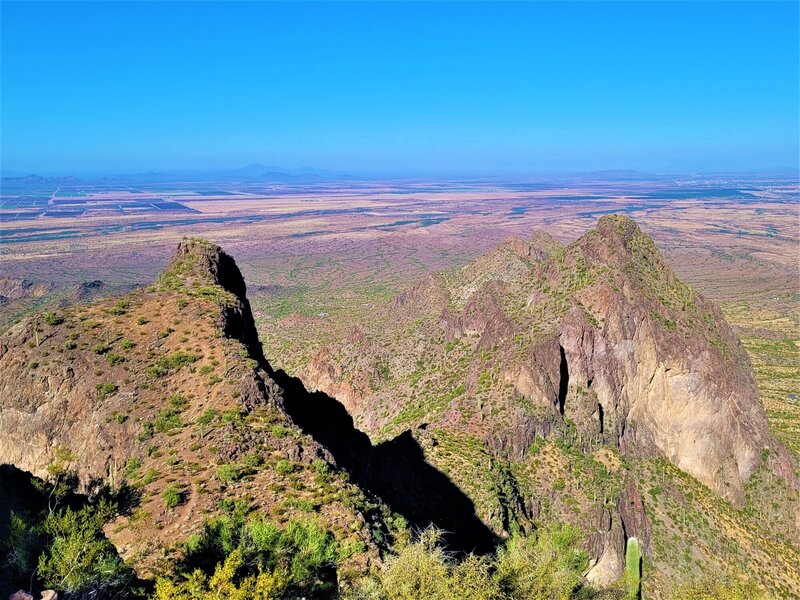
x: 661, y: 369
x: 606, y: 547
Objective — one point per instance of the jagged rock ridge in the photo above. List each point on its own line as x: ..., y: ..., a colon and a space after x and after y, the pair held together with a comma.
x: 164, y: 387
x: 599, y: 333
x: 546, y: 380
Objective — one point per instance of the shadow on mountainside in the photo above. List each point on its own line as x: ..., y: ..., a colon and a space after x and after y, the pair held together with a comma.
x: 395, y: 470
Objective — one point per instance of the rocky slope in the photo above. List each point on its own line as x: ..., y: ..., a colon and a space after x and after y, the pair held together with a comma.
x: 576, y: 383
x: 600, y: 333
x: 540, y: 364
x: 167, y: 387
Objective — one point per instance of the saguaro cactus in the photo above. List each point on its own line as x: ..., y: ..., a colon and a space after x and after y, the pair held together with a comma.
x: 633, y: 569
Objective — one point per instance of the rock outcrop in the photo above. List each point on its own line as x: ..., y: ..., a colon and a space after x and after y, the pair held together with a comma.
x: 163, y: 387
x: 599, y: 333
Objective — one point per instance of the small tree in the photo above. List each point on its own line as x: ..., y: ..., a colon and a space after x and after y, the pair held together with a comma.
x: 79, y: 558
x: 21, y: 546
x: 62, y: 478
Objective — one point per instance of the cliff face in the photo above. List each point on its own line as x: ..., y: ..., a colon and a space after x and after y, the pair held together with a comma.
x: 599, y: 334
x: 165, y: 386
x: 654, y: 367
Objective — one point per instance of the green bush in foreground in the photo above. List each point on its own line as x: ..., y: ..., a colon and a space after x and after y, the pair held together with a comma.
x: 79, y: 558
x: 545, y: 565
x: 237, y: 557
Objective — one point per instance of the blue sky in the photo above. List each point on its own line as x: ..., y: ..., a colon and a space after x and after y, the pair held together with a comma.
x: 400, y: 87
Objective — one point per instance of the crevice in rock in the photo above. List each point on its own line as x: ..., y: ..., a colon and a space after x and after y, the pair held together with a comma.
x: 600, y: 415
x: 563, y: 382
x: 395, y: 470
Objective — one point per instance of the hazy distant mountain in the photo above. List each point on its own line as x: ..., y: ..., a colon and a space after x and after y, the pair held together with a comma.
x: 249, y: 173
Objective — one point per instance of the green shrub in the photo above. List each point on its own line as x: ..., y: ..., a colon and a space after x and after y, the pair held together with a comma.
x: 52, y: 318
x: 101, y: 348
x: 320, y: 467
x: 132, y: 466
x: 204, y: 420
x: 253, y: 460
x: 150, y: 477
x: 155, y: 371
x: 104, y: 390
x: 178, y: 402
x: 284, y: 467
x: 171, y: 362
x: 115, y: 359
x: 167, y: 420
x: 420, y: 570
x: 119, y: 308
x: 227, y: 472
x: 545, y: 565
x: 127, y: 344
x: 79, y: 559
x: 231, y: 416
x: 21, y: 546
x: 171, y: 496
x: 280, y: 431
x: 205, y: 369
x: 147, y: 431
x: 296, y: 561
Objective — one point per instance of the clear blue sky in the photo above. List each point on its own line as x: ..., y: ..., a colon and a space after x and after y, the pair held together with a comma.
x: 396, y: 87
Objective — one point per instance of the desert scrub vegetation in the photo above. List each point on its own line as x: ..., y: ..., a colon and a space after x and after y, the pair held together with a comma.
x: 206, y: 420
x: 167, y: 420
x: 79, y: 558
x: 104, y: 390
x: 114, y: 359
x: 171, y: 362
x: 545, y: 565
x: 171, y: 496
x: 52, y: 318
x: 120, y: 308
x: 58, y: 541
x: 250, y: 557
x: 713, y: 589
x: 227, y: 472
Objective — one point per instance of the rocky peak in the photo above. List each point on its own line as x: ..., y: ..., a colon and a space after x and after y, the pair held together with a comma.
x: 168, y: 380
x: 202, y: 269
x: 197, y: 262
x: 543, y: 245
x: 599, y: 333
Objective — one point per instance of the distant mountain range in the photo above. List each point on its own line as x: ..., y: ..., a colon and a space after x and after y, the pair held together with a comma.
x: 254, y: 172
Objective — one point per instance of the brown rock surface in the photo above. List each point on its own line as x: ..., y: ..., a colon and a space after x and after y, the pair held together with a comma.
x: 159, y: 388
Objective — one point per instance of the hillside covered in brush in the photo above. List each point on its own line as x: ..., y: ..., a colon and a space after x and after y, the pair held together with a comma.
x: 510, y: 429
x: 583, y: 382
x: 163, y: 401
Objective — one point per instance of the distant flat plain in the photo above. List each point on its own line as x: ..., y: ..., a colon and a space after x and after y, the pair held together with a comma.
x: 319, y: 258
